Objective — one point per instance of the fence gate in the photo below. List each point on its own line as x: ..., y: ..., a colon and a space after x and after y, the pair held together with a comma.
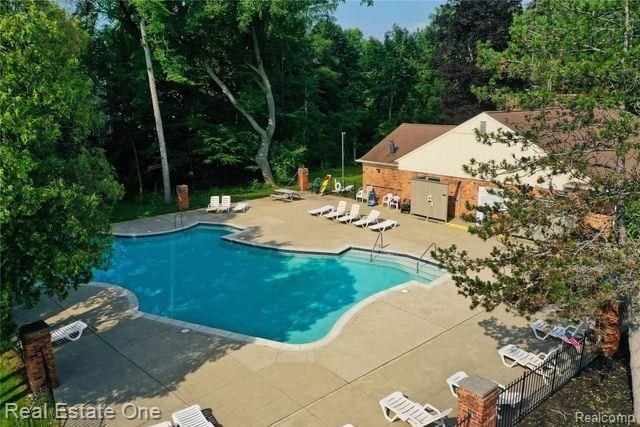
x: 529, y: 391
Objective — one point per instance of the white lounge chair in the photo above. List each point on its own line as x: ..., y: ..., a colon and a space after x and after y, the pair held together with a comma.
x: 370, y: 219
x: 240, y: 207
x: 384, y: 225
x: 406, y: 410
x: 354, y: 214
x: 542, y: 330
x: 454, y: 381
x: 511, y: 398
x: 214, y: 204
x: 340, y: 210
x: 190, y: 417
x: 321, y: 211
x: 71, y: 332
x: 225, y: 206
x: 337, y: 187
x: 348, y: 189
x: 386, y: 199
x: 526, y: 359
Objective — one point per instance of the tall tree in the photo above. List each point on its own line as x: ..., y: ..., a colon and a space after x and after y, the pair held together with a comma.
x: 240, y: 58
x: 55, y: 189
x: 164, y: 163
x: 456, y: 28
x: 583, y: 59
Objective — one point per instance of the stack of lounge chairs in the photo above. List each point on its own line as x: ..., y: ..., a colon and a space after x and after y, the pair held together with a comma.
x: 216, y: 206
x: 340, y: 214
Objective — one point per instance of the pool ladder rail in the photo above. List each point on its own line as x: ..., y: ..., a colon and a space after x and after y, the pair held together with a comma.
x: 177, y: 217
x: 381, y: 240
x: 432, y: 245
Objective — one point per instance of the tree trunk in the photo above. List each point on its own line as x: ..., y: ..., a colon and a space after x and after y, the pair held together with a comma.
x: 266, y: 135
x: 634, y: 321
x: 634, y: 355
x: 156, y: 113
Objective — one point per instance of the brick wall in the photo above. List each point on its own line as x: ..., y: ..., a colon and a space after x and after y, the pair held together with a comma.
x: 36, y: 342
x: 385, y: 179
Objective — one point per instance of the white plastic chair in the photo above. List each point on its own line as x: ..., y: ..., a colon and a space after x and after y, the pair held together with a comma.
x: 71, y: 332
x: 225, y: 206
x: 214, y: 204
x: 369, y: 220
x: 190, y: 417
x: 386, y: 199
x: 395, y: 202
x: 384, y: 225
x: 415, y: 414
x: 240, y: 207
x: 321, y: 210
x: 340, y: 210
x: 354, y: 214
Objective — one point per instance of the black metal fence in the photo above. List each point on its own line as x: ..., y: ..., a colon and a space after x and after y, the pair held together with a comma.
x: 526, y: 393
x: 42, y: 405
x: 463, y: 422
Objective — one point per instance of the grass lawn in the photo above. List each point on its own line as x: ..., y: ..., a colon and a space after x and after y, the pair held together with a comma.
x: 13, y: 386
x: 15, y: 389
x: 152, y: 204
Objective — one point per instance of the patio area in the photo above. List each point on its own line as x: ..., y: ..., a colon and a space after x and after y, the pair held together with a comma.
x: 409, y: 342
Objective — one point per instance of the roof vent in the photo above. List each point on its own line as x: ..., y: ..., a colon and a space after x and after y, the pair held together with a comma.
x: 392, y: 147
x: 483, y: 126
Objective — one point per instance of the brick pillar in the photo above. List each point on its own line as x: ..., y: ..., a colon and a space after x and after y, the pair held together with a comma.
x: 38, y: 351
x: 478, y: 396
x: 303, y: 178
x: 183, y: 197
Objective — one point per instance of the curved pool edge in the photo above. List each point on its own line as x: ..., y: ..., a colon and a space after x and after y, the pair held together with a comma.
x: 135, y: 312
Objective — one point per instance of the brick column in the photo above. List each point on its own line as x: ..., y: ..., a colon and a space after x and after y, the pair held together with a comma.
x: 478, y: 396
x: 303, y: 178
x: 38, y: 351
x: 183, y: 197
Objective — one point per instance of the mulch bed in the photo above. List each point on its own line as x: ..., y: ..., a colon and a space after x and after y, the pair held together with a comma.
x: 603, y: 388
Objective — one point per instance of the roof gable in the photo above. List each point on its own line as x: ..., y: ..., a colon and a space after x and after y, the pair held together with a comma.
x: 407, y: 137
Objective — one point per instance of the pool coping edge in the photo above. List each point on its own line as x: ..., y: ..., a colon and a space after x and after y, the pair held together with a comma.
x: 135, y: 312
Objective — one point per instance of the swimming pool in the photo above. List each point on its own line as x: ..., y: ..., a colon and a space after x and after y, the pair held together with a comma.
x: 196, y: 276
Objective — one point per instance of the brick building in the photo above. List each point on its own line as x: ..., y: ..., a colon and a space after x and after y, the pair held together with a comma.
x: 439, y: 152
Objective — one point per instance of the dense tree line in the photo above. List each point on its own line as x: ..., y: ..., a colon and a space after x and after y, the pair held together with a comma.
x: 320, y: 78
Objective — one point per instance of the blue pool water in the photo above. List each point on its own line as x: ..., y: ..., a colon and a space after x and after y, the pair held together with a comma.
x: 197, y: 277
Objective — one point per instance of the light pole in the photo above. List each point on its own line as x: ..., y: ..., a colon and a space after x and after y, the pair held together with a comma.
x: 342, y: 158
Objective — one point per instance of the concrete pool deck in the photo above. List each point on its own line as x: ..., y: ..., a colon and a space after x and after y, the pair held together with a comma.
x: 409, y: 342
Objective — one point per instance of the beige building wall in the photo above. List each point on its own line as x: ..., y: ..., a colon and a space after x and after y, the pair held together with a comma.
x: 446, y: 154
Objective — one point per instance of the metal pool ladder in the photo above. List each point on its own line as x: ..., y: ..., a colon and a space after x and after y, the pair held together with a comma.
x: 177, y: 217
x: 373, y: 248
x: 433, y: 245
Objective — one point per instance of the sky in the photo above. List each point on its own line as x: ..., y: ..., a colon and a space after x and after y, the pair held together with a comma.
x: 375, y: 20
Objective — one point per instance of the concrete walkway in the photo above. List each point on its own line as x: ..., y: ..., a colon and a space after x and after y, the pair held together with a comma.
x: 403, y: 341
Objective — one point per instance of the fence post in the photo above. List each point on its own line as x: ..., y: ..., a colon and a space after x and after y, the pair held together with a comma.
x: 478, y: 396
x: 555, y: 369
x: 40, y: 363
x: 583, y: 344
